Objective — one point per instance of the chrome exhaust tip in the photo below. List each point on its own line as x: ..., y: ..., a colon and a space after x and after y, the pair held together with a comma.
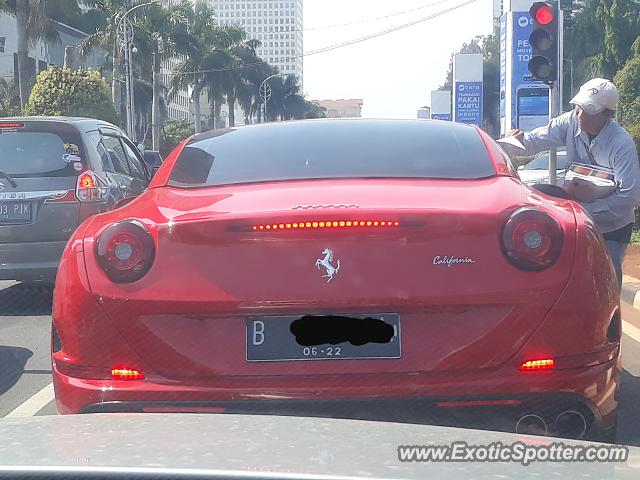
x: 531, y: 424
x: 570, y: 424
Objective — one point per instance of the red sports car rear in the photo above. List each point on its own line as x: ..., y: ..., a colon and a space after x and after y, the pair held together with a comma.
x: 341, y: 265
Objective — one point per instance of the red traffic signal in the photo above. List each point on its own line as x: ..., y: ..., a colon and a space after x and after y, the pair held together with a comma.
x: 542, y: 13
x: 545, y: 41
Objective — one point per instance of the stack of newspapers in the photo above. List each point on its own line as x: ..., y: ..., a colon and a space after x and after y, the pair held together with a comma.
x: 598, y: 182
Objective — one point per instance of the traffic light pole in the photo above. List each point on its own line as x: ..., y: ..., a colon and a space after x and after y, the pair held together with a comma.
x: 555, y: 95
x: 553, y: 112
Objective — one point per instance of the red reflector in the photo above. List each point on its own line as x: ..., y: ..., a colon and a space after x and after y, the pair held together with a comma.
x: 535, y: 365
x: 328, y: 224
x: 544, y: 15
x: 126, y: 374
x: 478, y: 403
x: 11, y: 124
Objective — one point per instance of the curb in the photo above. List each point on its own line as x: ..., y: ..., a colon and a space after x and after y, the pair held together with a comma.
x: 630, y: 291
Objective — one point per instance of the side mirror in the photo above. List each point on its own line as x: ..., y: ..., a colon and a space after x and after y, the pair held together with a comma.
x: 521, y: 167
x: 152, y: 158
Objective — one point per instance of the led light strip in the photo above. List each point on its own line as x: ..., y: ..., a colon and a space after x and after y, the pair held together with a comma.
x: 331, y: 224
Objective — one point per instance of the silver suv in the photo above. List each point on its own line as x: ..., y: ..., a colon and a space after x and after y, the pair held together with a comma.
x: 54, y: 173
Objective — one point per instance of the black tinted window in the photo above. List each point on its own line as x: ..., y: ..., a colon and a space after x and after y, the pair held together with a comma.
x: 118, y: 158
x: 137, y: 170
x: 37, y: 153
x: 333, y: 149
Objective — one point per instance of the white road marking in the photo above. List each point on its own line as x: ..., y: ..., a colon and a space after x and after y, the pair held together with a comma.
x: 34, y: 403
x: 6, y: 284
x: 631, y: 330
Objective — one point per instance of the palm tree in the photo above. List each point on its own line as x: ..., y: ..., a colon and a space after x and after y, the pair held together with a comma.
x: 240, y: 84
x: 281, y: 91
x: 221, y: 66
x: 199, y: 43
x: 33, y: 24
x: 162, y: 32
x: 107, y: 38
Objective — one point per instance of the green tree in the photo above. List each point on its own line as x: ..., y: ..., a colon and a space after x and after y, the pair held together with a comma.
x: 162, y: 31
x: 105, y: 36
x: 188, y: 75
x: 9, y: 98
x: 297, y: 107
x: 172, y: 134
x: 33, y: 24
x: 621, y: 21
x: 628, y: 82
x: 600, y: 35
x: 221, y: 67
x: 282, y: 90
x: 62, y: 91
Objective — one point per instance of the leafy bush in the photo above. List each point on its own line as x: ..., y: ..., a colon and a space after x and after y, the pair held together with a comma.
x: 172, y: 134
x: 627, y: 80
x: 634, y: 131
x: 81, y: 92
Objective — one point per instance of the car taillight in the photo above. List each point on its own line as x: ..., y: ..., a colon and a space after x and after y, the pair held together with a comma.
x: 328, y: 224
x: 537, y: 365
x: 89, y: 188
x: 125, y: 251
x: 532, y: 239
x: 123, y: 373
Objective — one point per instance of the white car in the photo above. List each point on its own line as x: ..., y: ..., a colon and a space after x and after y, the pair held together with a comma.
x: 537, y: 170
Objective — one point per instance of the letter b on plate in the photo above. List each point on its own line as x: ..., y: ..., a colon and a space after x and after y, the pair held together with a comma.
x: 258, y: 332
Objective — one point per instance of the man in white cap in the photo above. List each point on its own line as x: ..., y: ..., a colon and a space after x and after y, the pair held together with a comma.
x: 592, y: 137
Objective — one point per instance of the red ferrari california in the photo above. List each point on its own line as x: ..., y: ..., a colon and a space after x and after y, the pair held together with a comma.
x: 345, y: 265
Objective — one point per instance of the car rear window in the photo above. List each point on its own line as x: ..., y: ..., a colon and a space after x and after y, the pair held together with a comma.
x: 29, y: 153
x: 333, y: 149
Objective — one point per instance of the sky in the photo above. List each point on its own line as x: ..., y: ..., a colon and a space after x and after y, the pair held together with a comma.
x: 395, y: 73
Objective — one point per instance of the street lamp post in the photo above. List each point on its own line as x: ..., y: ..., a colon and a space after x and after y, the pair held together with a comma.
x: 265, y: 93
x: 128, y: 46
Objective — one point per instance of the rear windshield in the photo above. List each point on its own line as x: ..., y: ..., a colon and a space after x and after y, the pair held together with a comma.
x: 24, y: 154
x: 333, y: 149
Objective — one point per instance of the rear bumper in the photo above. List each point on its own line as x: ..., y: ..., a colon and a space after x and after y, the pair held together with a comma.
x: 501, y: 395
x: 30, y: 261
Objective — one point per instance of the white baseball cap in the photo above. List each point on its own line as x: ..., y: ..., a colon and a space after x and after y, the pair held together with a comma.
x: 596, y: 95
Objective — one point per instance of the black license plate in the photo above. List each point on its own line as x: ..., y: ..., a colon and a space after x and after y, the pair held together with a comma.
x: 318, y: 337
x: 15, y: 212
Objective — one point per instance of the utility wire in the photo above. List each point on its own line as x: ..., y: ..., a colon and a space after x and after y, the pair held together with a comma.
x: 336, y: 46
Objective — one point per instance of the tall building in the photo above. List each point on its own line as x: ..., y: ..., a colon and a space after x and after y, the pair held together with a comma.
x: 278, y: 26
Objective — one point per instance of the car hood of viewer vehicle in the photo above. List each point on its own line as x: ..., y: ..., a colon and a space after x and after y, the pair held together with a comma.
x: 243, y: 446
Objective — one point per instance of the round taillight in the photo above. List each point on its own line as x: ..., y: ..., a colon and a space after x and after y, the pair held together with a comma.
x: 125, y: 251
x: 532, y: 239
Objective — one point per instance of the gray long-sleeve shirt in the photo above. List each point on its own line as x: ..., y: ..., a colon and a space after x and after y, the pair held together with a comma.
x: 612, y: 148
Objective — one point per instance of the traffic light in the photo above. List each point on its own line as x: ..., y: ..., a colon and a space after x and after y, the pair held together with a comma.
x: 545, y: 41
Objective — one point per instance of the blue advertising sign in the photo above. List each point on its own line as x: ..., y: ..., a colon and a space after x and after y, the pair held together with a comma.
x: 468, y: 104
x: 441, y: 116
x: 522, y: 29
x: 529, y: 98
